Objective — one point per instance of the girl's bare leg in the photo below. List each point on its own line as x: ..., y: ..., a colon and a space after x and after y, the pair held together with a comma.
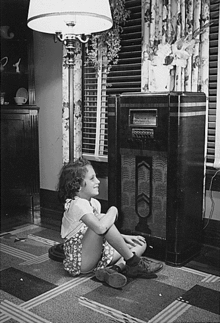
x: 119, y: 261
x: 92, y: 248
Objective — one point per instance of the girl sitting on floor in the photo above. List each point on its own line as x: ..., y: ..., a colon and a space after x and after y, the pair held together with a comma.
x: 91, y: 240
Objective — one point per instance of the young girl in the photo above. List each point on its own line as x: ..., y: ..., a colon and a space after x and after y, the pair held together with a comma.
x: 91, y: 240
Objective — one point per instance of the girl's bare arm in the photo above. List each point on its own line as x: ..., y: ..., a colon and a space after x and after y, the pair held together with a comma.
x: 103, y: 222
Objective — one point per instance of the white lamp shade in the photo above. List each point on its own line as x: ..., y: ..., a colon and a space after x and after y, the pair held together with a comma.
x: 51, y: 16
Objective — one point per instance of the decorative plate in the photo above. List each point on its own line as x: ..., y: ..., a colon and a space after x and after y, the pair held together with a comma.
x: 22, y: 92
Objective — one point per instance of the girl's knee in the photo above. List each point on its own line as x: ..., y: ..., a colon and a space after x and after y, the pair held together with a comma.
x: 140, y: 249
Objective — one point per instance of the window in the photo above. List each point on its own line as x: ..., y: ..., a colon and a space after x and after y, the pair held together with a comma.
x: 213, y: 73
x: 94, y: 133
x: 126, y: 77
x: 123, y: 77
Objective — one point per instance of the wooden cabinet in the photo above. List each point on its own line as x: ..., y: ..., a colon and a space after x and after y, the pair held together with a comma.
x: 17, y: 68
x: 19, y: 156
x: 19, y: 124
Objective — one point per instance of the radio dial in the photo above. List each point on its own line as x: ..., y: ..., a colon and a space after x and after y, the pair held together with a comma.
x: 142, y: 134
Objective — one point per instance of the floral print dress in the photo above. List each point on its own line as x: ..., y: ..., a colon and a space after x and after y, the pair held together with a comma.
x: 73, y: 235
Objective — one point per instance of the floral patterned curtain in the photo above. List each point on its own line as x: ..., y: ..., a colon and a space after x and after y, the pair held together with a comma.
x: 175, y: 48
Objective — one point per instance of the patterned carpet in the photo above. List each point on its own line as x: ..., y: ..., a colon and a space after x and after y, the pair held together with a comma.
x: 35, y: 288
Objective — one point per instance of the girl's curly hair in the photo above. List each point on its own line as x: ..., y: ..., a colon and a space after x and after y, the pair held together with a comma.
x: 70, y: 178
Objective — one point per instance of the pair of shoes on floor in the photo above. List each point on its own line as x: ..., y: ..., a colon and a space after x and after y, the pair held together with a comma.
x: 145, y: 268
x: 111, y: 277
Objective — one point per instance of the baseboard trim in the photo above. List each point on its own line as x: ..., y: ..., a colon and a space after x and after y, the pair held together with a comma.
x: 49, y: 200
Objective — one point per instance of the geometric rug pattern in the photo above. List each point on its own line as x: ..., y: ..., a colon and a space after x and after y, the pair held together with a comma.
x: 23, y: 285
x: 35, y: 288
x: 203, y: 297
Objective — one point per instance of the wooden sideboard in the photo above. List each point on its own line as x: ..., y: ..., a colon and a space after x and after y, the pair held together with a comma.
x: 19, y: 156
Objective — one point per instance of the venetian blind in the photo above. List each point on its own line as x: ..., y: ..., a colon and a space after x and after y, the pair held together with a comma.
x: 123, y: 77
x: 213, y: 64
x: 126, y: 75
x: 94, y: 131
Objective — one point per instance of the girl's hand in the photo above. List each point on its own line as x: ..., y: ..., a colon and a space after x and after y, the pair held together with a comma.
x: 134, y: 240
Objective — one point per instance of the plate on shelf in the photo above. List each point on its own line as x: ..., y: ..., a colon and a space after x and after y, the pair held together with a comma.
x: 22, y: 92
